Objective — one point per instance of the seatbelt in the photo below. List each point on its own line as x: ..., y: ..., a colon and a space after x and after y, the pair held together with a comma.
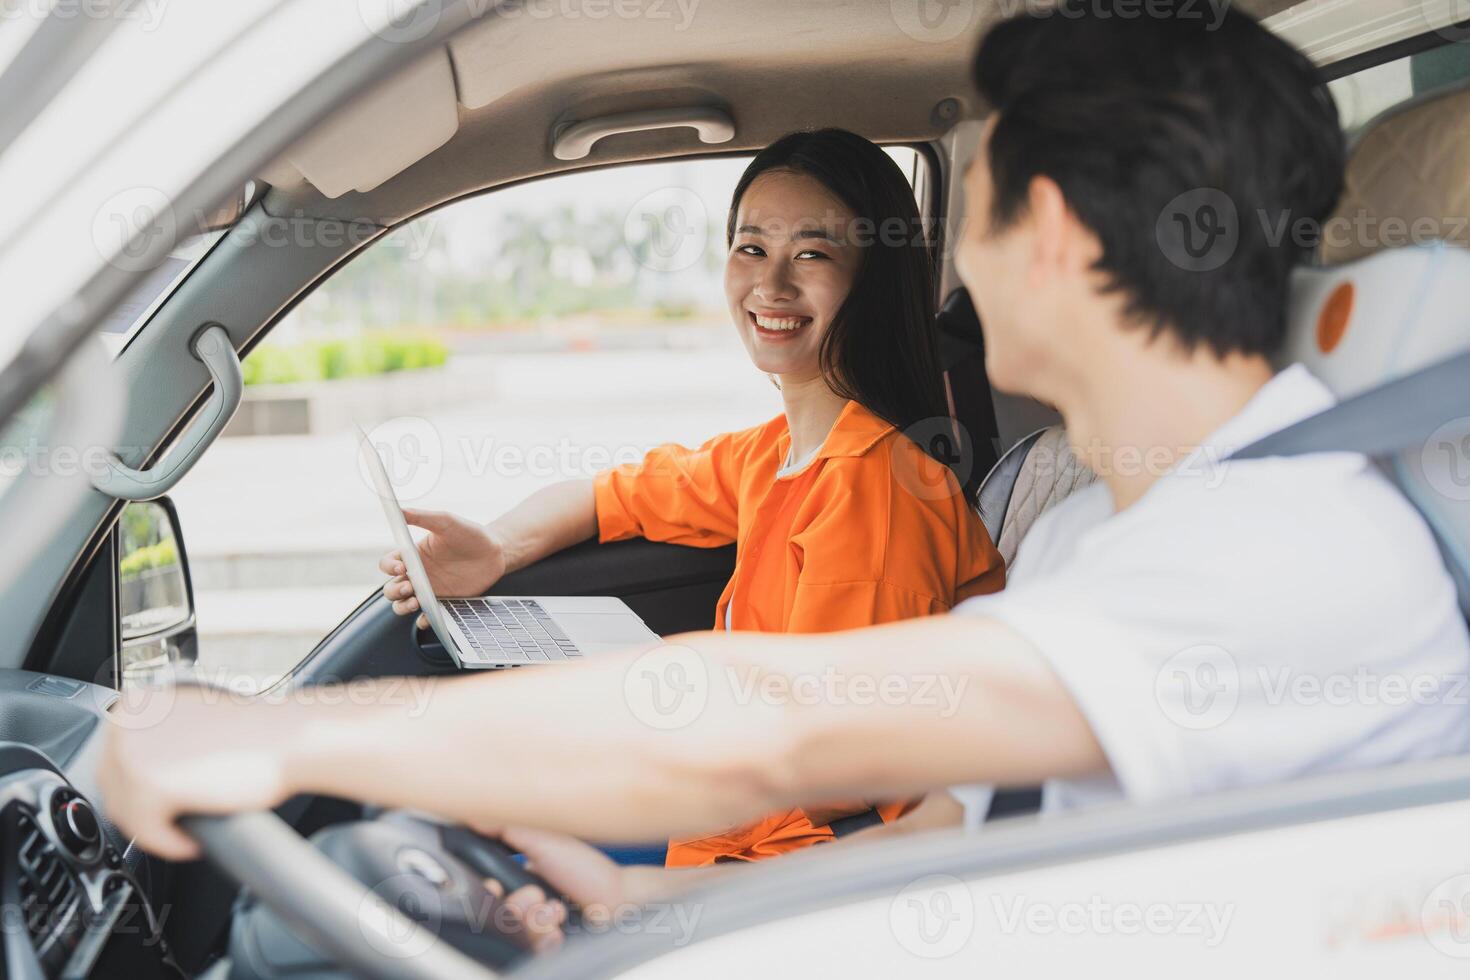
x: 1391, y: 418
x: 1384, y: 420
x: 851, y: 824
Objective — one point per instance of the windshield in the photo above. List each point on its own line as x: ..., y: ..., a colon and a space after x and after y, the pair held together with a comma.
x: 22, y: 433
x: 130, y: 314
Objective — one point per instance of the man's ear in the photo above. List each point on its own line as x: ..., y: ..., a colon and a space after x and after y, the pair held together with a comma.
x: 1062, y: 244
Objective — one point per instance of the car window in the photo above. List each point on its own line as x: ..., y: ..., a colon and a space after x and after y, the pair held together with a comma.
x: 502, y: 343
x: 1365, y: 94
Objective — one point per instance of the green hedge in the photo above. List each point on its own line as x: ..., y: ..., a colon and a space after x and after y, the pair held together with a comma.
x: 159, y: 555
x: 356, y: 357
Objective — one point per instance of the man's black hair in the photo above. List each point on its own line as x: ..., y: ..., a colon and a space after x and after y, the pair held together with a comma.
x: 1156, y: 128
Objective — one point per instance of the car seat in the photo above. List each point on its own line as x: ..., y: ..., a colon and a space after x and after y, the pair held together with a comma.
x: 1381, y: 310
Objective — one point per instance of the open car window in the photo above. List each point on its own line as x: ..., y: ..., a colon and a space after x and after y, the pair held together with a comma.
x: 501, y: 343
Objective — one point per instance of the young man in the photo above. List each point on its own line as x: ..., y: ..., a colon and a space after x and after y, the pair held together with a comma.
x: 1157, y: 624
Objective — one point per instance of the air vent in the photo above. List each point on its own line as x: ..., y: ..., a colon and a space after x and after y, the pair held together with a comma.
x: 57, y: 687
x: 49, y: 894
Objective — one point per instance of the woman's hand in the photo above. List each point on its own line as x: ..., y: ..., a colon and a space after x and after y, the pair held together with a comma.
x: 602, y: 890
x: 461, y: 557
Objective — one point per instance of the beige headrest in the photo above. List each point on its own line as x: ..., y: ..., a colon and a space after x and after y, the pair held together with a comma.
x: 1408, y: 180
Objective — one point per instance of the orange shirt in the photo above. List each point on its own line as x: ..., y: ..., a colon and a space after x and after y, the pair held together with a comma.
x: 870, y: 531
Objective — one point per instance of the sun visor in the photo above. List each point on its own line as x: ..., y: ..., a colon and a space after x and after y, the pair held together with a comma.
x: 384, y: 133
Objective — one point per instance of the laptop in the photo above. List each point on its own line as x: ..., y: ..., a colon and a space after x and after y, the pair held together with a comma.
x: 509, y: 631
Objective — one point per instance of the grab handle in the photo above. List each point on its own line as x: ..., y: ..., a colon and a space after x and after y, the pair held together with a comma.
x: 575, y: 141
x: 212, y: 346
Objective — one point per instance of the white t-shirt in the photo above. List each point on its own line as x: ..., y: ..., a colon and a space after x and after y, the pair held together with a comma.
x: 1245, y: 621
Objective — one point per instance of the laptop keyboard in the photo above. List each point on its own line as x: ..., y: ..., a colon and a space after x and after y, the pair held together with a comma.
x: 515, y: 631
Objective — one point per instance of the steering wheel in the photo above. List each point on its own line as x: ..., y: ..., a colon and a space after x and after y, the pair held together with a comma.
x: 320, y: 891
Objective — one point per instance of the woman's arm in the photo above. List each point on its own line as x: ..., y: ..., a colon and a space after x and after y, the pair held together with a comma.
x: 715, y: 731
x: 679, y: 495
x: 557, y: 517
x: 464, y: 558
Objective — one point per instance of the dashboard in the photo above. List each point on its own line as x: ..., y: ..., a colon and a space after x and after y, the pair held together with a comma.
x: 72, y: 902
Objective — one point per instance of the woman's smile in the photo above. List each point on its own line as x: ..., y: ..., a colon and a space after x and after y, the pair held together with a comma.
x: 774, y: 326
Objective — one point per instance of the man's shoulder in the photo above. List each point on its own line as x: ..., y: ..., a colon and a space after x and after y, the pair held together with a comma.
x: 1332, y: 515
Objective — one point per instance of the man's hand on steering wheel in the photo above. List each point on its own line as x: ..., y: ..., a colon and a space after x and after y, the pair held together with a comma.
x: 147, y: 778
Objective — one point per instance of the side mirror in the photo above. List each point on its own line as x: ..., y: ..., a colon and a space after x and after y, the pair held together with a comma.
x: 154, y: 592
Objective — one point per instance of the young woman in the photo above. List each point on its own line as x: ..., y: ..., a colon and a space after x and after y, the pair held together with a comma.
x: 839, y: 519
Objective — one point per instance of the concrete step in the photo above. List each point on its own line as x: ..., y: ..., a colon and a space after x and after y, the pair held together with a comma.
x: 286, y: 569
x: 332, y: 406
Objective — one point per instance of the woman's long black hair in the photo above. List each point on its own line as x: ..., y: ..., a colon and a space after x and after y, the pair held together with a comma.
x: 881, y: 349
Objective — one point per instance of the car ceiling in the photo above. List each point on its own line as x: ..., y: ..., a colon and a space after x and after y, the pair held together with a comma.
x: 481, y: 111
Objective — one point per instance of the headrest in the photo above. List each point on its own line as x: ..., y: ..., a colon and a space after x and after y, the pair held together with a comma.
x: 1406, y: 179
x: 1362, y: 324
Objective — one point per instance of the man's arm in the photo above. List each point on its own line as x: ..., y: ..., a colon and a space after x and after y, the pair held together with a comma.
x: 710, y: 731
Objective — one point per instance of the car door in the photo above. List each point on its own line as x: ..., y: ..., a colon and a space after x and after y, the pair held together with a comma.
x: 1343, y: 875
